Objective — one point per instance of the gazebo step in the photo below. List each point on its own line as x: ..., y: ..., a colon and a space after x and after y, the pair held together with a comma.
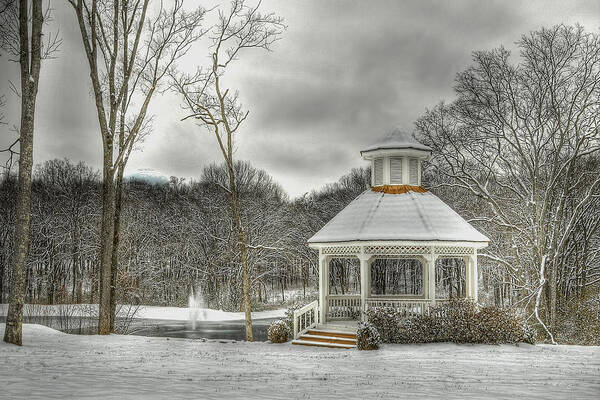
x: 328, y: 339
x: 330, y: 333
x: 323, y: 344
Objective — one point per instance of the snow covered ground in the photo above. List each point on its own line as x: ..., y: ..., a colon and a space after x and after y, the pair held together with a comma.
x: 57, y: 365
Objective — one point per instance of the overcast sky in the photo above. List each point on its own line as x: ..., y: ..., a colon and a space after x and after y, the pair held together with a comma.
x: 343, y: 74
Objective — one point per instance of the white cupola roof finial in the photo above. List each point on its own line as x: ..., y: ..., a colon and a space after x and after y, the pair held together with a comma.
x: 396, y: 139
x: 396, y: 160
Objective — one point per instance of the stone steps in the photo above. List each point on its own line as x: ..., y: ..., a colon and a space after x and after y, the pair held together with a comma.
x: 327, y: 338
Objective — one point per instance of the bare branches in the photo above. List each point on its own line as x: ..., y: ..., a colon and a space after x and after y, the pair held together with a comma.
x: 517, y: 138
x: 9, y: 31
x: 2, y: 105
x: 137, y: 50
x: 217, y: 109
x: 12, y: 153
x: 241, y: 27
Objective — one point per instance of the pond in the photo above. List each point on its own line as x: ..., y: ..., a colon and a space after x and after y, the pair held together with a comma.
x: 229, y: 330
x: 232, y: 330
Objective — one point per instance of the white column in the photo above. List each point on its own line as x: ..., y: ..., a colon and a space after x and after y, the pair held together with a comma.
x: 475, y: 276
x: 429, y: 280
x: 468, y: 277
x: 364, y: 282
x: 323, y: 286
x: 472, y: 275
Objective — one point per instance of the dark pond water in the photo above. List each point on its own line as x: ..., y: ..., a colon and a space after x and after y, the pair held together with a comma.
x: 230, y: 330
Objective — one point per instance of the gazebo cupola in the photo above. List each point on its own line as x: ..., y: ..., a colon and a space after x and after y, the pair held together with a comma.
x: 395, y: 222
x: 396, y: 160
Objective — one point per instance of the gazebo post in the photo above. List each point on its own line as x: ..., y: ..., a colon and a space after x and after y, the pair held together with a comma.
x: 475, y: 277
x: 364, y: 282
x: 471, y: 276
x: 468, y: 277
x: 430, y: 280
x: 323, y: 286
x: 472, y: 285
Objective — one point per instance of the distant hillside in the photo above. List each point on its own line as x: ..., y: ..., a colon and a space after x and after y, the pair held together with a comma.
x: 148, y: 175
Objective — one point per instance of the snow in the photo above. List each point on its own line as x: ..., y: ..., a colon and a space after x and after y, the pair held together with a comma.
x: 409, y: 216
x: 397, y: 139
x: 144, y: 312
x: 204, y: 314
x: 57, y: 365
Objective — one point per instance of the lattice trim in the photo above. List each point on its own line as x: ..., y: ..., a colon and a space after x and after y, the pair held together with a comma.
x: 341, y: 250
x: 396, y: 250
x: 451, y: 250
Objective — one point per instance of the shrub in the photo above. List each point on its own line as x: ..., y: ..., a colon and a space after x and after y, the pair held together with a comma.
x: 367, y: 337
x: 278, y: 331
x: 459, y: 321
x: 529, y: 335
x: 289, y: 315
x: 578, y: 322
x: 385, y: 319
x: 420, y: 329
x: 497, y: 325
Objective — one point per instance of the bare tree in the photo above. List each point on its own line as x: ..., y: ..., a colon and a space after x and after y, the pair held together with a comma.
x: 219, y: 110
x: 128, y: 54
x: 515, y: 139
x: 29, y: 48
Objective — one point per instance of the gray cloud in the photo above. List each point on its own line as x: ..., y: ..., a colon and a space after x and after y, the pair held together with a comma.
x: 343, y: 74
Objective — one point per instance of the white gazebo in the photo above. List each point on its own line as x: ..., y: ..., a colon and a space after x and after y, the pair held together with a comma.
x: 399, y: 219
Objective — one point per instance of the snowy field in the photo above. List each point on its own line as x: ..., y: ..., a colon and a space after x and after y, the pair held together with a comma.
x: 57, y: 365
x: 143, y: 312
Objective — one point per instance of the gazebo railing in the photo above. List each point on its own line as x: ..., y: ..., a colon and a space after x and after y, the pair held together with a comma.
x: 306, y: 318
x: 406, y: 306
x: 343, y: 306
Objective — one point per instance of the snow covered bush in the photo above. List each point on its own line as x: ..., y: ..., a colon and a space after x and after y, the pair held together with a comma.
x: 367, y: 337
x: 579, y: 322
x: 386, y: 320
x: 497, y: 325
x: 529, y: 334
x: 458, y: 321
x: 289, y: 315
x: 278, y: 331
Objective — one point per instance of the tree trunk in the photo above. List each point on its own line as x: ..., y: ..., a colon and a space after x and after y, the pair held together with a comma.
x: 30, y: 72
x: 107, y: 231
x: 259, y: 271
x: 115, y: 247
x: 552, y: 297
x: 75, y: 260
x: 243, y: 254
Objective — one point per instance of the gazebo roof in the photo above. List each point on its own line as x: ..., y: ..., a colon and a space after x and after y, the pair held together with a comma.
x: 396, y: 139
x: 411, y: 216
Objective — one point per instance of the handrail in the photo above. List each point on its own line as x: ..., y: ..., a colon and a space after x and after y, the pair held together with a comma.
x: 408, y: 306
x: 305, y: 318
x: 343, y: 306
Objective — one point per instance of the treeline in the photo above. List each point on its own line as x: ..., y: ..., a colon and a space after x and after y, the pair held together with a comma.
x: 176, y: 237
